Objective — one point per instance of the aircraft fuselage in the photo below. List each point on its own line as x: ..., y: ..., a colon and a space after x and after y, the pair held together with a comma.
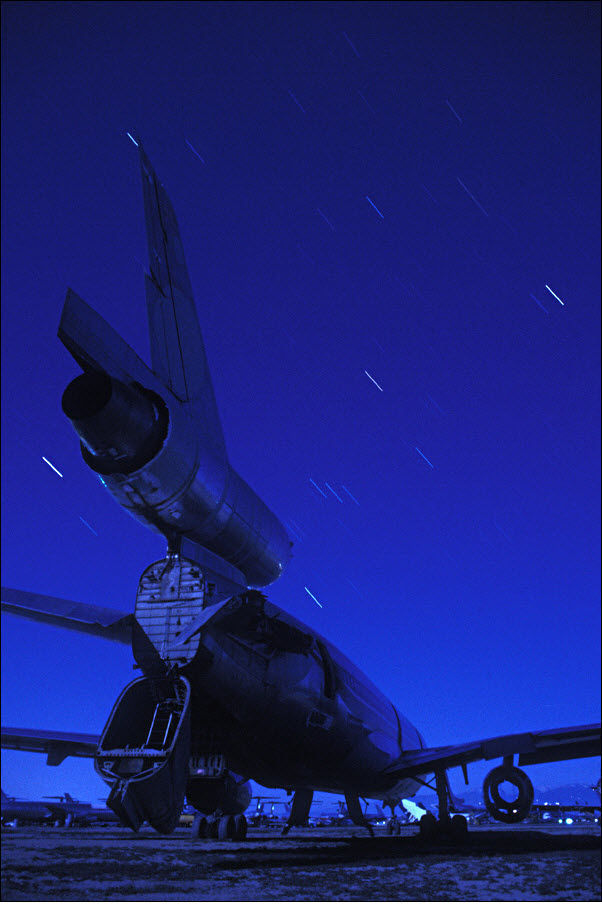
x: 291, y: 711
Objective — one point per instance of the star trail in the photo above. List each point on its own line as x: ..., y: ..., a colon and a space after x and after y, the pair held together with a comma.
x: 402, y: 171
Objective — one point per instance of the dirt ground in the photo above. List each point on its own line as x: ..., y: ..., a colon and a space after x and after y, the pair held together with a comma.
x: 112, y: 864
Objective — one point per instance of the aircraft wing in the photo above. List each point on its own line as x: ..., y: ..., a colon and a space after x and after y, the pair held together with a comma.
x: 56, y: 744
x: 532, y: 747
x: 51, y: 610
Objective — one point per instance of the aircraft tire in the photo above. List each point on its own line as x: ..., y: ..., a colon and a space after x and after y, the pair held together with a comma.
x: 212, y: 827
x: 428, y: 826
x: 58, y: 823
x: 200, y: 828
x: 69, y: 820
x: 459, y: 827
x: 225, y: 828
x: 501, y: 809
x: 240, y: 827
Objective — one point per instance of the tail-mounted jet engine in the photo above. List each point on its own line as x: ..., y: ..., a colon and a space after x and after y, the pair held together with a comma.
x: 508, y: 806
x: 158, y: 459
x: 121, y: 427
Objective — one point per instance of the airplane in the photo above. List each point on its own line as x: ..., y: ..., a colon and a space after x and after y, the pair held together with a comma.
x: 258, y: 817
x: 231, y: 686
x: 342, y: 817
x: 15, y: 810
x: 65, y: 812
x: 414, y: 811
x: 566, y: 813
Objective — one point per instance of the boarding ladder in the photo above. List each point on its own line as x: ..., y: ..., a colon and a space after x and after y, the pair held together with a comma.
x: 163, y: 719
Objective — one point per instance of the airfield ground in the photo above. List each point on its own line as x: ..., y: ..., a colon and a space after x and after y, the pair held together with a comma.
x: 102, y: 864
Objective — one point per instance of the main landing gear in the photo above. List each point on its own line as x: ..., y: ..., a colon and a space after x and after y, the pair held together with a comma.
x: 222, y: 828
x: 455, y: 827
x: 446, y: 827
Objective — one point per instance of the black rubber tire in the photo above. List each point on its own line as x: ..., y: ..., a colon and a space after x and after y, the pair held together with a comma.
x: 428, y: 826
x: 200, y: 828
x: 458, y: 827
x: 240, y: 827
x: 500, y: 809
x: 225, y: 828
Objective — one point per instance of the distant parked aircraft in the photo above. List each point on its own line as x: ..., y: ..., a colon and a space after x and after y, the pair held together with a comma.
x: 63, y: 810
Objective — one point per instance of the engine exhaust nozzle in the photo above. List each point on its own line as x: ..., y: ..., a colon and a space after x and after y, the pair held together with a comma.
x: 121, y: 427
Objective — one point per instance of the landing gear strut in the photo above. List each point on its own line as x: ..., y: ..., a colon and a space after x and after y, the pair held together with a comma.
x: 455, y: 827
x: 300, y: 809
x: 355, y: 812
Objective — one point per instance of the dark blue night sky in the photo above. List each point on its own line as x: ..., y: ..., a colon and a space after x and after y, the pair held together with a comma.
x: 391, y: 219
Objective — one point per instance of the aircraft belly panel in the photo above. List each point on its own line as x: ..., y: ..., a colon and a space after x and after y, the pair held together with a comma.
x: 171, y: 595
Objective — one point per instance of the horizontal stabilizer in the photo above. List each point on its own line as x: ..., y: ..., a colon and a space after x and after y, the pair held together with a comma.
x: 84, y: 617
x: 177, y: 349
x: 56, y: 744
x: 95, y: 345
x: 549, y: 746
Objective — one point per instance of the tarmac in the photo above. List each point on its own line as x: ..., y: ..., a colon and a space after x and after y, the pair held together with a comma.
x: 318, y: 864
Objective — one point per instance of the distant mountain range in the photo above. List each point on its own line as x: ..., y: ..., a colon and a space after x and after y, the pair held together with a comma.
x: 563, y: 794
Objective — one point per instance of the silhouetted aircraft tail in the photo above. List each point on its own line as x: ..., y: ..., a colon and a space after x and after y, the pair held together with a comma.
x: 177, y: 349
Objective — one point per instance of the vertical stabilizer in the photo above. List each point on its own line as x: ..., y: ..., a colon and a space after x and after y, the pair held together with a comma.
x: 177, y: 349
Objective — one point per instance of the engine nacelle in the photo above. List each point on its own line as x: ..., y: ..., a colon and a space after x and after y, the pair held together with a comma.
x: 121, y: 427
x: 158, y: 464
x: 498, y: 805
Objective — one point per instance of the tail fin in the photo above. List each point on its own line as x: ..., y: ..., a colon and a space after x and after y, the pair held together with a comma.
x: 177, y: 349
